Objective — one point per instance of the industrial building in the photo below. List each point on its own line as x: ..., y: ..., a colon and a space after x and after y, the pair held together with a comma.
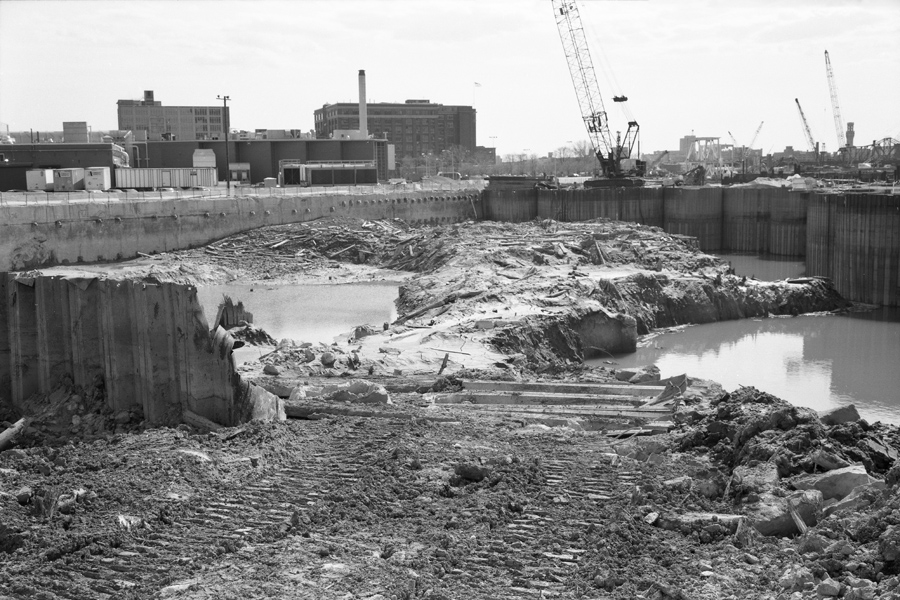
x: 172, y: 122
x: 414, y: 127
x: 261, y: 157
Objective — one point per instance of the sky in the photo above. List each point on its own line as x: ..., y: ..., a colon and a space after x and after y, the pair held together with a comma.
x: 687, y: 66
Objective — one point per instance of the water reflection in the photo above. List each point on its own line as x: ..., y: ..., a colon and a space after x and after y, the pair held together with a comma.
x: 815, y: 361
x: 307, y: 313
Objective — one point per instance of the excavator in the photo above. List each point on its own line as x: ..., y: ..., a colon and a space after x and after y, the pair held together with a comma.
x: 616, y: 165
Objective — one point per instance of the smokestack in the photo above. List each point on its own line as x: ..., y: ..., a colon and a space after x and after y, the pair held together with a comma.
x: 363, y: 113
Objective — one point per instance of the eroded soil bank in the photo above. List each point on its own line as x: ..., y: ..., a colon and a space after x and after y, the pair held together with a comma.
x: 745, y: 497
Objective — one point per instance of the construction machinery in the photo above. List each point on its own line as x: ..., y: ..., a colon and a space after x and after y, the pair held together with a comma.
x: 614, y: 155
x: 835, y: 107
x: 813, y: 146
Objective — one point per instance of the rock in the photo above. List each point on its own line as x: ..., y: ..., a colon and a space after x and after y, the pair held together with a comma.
x: 857, y: 498
x: 758, y: 479
x: 265, y: 406
x: 771, y: 516
x: 472, y: 472
x: 691, y: 521
x: 66, y: 505
x: 889, y: 544
x: 297, y: 394
x: 639, y: 375
x: 796, y: 578
x: 23, y: 495
x: 835, y: 484
x: 122, y: 417
x: 327, y: 359
x: 362, y: 331
x: 271, y: 370
x: 843, y: 414
x: 812, y: 542
x: 679, y: 483
x: 16, y: 453
x: 357, y: 391
x: 828, y: 461
x: 828, y: 588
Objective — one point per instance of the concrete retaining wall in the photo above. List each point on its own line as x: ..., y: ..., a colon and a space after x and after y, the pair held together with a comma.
x: 43, y: 235
x: 147, y: 345
x: 855, y: 240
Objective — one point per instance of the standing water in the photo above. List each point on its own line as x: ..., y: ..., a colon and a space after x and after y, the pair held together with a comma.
x: 307, y: 313
x: 817, y: 361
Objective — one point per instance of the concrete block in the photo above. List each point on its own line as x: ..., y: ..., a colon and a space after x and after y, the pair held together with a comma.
x: 843, y: 414
x: 836, y: 483
x: 771, y: 516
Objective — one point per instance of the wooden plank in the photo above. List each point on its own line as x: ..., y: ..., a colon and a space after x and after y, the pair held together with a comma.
x: 597, y: 411
x: 538, y: 399
x: 576, y: 388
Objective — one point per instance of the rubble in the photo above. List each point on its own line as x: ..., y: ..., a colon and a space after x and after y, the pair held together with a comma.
x: 368, y: 484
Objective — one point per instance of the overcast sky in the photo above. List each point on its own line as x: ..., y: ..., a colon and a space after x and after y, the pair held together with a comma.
x: 686, y: 65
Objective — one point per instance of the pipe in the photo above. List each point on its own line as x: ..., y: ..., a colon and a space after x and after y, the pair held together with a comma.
x: 363, y: 114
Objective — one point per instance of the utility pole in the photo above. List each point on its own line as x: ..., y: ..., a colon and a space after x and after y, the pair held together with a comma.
x: 225, y: 100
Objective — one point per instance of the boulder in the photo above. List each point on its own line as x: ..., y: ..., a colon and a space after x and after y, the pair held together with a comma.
x: 836, y: 483
x: 471, y: 471
x: 758, y: 479
x: 357, y: 391
x: 857, y: 498
x: 271, y: 370
x: 362, y: 331
x: 327, y: 359
x: 796, y: 578
x: 265, y: 406
x: 772, y: 517
x: 828, y: 588
x: 843, y: 414
x: 889, y: 544
x: 827, y: 461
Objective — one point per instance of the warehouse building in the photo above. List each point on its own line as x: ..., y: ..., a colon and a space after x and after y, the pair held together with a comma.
x: 414, y: 128
x: 172, y: 122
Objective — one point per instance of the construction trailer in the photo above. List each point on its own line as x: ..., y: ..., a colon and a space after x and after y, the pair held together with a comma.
x: 327, y: 173
x: 155, y: 178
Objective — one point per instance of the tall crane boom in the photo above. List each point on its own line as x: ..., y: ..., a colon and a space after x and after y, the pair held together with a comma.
x: 581, y: 68
x: 806, y: 131
x: 835, y: 108
x: 755, y: 135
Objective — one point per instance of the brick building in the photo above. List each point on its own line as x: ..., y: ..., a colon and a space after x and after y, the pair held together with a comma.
x: 183, y: 123
x: 415, y: 127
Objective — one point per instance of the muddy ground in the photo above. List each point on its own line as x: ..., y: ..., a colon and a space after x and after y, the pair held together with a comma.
x: 423, y: 500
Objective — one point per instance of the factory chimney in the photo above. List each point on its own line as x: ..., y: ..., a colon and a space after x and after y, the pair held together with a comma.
x: 363, y: 114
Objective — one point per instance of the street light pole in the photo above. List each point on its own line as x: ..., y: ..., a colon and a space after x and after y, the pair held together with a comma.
x: 225, y: 100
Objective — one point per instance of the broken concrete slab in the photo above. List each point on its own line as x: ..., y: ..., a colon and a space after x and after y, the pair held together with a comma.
x: 843, y: 414
x: 857, y: 498
x: 771, y: 516
x: 694, y: 521
x: 357, y: 391
x: 836, y: 483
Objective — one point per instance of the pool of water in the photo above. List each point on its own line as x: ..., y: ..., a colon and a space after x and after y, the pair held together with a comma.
x: 765, y: 268
x: 307, y: 313
x: 819, y: 361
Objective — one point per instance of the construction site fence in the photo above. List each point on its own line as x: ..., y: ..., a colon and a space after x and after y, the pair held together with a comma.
x: 112, y: 196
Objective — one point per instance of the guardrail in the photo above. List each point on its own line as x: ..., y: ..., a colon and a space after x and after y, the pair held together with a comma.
x: 97, y: 197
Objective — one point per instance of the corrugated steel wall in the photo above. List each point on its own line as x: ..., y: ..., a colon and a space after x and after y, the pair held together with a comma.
x: 855, y: 240
x: 149, y: 344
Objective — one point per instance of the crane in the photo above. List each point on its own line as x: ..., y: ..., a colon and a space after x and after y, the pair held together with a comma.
x: 755, y: 135
x: 835, y: 108
x: 610, y: 153
x: 806, y: 131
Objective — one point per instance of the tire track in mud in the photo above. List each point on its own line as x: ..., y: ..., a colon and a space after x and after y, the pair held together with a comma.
x: 259, y: 511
